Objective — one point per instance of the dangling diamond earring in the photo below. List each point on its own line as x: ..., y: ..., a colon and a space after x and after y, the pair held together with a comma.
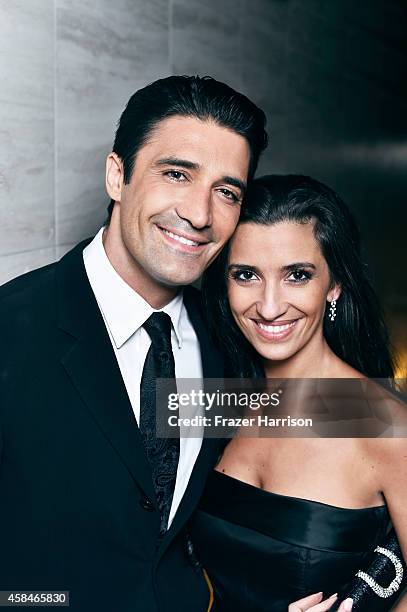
x: 332, y: 310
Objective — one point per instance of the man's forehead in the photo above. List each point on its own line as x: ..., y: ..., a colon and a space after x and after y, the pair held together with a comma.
x: 187, y: 131
x: 199, y: 142
x: 184, y: 125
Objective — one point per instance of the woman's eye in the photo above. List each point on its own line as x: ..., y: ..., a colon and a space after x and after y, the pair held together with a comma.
x: 244, y: 276
x: 176, y: 175
x: 299, y: 276
x: 229, y: 195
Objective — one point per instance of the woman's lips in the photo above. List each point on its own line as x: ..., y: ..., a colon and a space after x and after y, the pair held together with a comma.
x: 274, y: 331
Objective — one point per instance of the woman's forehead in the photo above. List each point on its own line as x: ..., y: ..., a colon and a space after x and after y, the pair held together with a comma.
x: 280, y: 241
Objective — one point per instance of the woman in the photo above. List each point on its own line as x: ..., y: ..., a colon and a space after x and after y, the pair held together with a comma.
x: 283, y: 518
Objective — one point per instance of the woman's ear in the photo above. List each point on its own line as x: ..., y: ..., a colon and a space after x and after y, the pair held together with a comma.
x: 334, y: 292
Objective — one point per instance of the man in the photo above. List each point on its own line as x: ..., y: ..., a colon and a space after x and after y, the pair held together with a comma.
x: 90, y: 503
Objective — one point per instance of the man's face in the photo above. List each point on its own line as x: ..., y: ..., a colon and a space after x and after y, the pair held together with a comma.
x: 183, y: 201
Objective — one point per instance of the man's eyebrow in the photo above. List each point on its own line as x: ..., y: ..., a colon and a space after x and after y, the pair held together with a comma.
x: 176, y: 161
x: 189, y: 165
x: 230, y: 180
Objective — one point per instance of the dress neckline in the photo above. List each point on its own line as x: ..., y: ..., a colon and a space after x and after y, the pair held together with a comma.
x: 295, y: 520
x: 259, y: 490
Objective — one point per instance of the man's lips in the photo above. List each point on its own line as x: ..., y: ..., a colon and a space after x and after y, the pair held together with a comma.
x: 183, y: 241
x: 277, y: 330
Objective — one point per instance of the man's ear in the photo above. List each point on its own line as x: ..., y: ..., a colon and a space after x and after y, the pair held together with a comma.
x: 114, y: 176
x: 334, y: 292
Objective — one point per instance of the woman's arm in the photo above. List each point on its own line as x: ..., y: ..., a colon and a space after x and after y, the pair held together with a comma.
x: 393, y: 475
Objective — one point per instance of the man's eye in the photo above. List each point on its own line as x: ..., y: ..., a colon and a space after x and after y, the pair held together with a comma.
x: 176, y: 175
x: 299, y: 276
x: 229, y: 195
x: 243, y: 275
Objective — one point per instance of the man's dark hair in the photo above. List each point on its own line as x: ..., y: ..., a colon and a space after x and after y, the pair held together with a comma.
x: 187, y: 96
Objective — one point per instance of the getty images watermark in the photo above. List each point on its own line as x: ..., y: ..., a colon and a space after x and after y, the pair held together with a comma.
x: 334, y: 408
x: 208, y: 401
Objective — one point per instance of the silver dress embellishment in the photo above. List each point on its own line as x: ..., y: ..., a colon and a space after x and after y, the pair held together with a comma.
x: 394, y: 584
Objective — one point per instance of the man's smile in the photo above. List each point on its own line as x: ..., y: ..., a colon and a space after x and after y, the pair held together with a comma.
x: 186, y: 243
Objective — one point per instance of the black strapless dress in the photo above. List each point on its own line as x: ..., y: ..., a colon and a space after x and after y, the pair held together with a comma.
x: 262, y: 550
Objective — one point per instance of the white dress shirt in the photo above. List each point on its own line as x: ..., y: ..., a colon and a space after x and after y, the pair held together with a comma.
x: 124, y: 311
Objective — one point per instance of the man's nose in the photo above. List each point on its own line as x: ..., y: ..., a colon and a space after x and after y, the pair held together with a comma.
x: 271, y: 304
x: 197, y: 207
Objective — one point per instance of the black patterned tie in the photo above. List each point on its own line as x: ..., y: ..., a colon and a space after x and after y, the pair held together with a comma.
x: 162, y: 453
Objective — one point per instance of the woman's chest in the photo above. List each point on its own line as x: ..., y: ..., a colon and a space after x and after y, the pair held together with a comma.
x: 334, y: 471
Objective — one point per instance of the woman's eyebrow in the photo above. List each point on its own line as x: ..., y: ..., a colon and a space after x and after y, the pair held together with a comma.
x: 287, y: 268
x: 239, y: 266
x: 298, y: 264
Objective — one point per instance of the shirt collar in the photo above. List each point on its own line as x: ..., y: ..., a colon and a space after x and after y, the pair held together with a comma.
x: 123, y: 308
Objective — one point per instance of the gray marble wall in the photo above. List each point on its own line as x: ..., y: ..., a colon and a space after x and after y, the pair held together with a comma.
x: 67, y: 68
x: 330, y: 75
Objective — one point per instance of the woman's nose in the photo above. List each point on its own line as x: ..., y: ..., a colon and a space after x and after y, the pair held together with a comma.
x: 271, y: 304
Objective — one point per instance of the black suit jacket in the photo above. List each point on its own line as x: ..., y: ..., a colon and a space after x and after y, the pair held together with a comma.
x: 74, y: 478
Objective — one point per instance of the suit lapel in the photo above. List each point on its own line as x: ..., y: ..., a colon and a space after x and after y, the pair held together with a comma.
x: 92, y: 367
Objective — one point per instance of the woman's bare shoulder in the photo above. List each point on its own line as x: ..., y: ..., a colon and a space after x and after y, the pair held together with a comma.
x: 388, y: 454
x: 388, y: 407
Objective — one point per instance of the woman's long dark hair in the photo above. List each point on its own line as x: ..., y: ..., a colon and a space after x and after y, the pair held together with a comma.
x: 359, y: 335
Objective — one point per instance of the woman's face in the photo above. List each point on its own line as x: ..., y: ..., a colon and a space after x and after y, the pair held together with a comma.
x: 278, y: 286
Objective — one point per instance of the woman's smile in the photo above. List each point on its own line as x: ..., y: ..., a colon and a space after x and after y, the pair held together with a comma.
x: 275, y: 331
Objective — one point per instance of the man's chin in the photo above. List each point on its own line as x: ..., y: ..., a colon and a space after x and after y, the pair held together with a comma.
x: 178, y: 279
x: 178, y: 282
